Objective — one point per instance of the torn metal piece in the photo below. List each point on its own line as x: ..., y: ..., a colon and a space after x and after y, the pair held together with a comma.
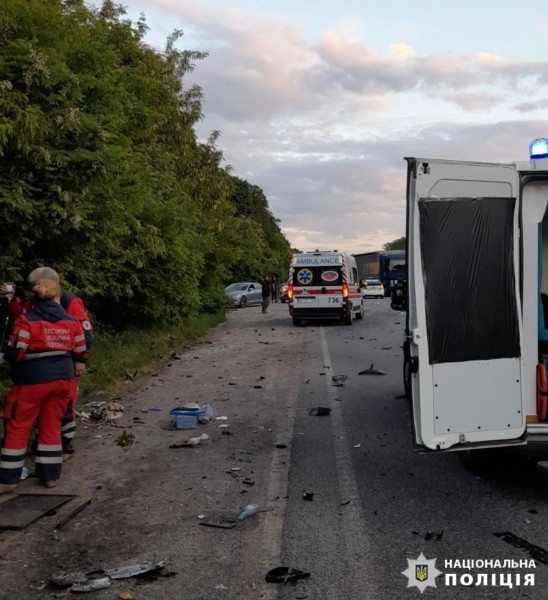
x: 135, y: 570
x: 92, y: 585
x: 372, y: 371
x: 68, y: 579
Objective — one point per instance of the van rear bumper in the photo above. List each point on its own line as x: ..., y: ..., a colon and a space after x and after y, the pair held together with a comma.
x: 318, y: 313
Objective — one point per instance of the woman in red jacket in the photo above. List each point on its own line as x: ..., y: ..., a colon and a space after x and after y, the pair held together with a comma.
x: 44, y: 344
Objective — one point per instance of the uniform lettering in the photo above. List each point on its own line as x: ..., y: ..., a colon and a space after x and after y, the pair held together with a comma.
x: 482, y: 579
x: 529, y: 579
x: 450, y: 578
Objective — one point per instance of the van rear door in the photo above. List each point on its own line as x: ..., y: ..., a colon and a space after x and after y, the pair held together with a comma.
x: 464, y: 333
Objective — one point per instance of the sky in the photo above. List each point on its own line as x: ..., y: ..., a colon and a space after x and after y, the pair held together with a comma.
x: 319, y: 102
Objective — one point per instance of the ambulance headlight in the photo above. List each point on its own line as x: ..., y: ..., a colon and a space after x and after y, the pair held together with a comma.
x: 538, y: 148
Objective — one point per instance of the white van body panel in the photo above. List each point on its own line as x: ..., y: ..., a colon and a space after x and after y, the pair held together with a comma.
x: 475, y: 402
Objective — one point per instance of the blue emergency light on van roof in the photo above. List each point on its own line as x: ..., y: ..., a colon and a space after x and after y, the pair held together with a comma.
x: 538, y: 148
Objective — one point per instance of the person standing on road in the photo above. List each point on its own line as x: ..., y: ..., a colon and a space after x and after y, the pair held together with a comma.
x: 267, y: 292
x: 274, y: 289
x: 45, y: 343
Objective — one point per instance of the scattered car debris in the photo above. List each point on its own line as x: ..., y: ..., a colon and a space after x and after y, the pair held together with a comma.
x: 248, y: 481
x: 101, y: 410
x: 217, y: 525
x: 192, y: 442
x: 320, y: 411
x: 338, y: 380
x: 431, y: 536
x: 372, y: 371
x: 175, y: 356
x: 285, y: 575
x: 98, y: 579
x: 281, y: 445
x: 92, y: 585
x: 71, y: 515
x: 345, y: 502
x: 308, y: 496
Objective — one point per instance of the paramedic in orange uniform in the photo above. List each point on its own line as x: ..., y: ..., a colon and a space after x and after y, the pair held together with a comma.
x: 44, y: 344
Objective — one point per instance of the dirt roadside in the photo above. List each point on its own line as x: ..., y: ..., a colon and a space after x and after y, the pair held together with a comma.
x: 146, y: 498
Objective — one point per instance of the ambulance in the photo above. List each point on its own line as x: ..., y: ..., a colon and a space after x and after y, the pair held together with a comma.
x: 324, y: 284
x: 476, y: 338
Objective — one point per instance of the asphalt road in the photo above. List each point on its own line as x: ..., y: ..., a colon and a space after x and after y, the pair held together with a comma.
x: 378, y: 502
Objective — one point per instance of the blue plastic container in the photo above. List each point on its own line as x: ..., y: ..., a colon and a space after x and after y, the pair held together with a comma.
x: 186, y: 422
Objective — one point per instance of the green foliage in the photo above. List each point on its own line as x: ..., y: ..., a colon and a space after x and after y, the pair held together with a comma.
x: 263, y: 248
x: 102, y: 176
x: 398, y: 244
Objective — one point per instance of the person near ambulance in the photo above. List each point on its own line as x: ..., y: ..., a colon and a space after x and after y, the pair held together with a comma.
x: 266, y: 292
x: 44, y: 345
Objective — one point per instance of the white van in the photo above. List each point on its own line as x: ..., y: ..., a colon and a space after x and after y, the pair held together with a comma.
x: 324, y: 284
x: 476, y: 344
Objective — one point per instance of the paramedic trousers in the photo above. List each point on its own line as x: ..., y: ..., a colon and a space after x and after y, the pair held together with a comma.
x: 25, y: 404
x: 266, y: 302
x: 68, y: 426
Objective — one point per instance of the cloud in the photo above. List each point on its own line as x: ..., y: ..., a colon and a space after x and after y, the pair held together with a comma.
x: 322, y: 125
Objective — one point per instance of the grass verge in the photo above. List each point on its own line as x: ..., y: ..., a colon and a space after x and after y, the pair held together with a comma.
x: 144, y: 352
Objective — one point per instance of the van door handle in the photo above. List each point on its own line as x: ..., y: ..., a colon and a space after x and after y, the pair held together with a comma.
x: 324, y: 291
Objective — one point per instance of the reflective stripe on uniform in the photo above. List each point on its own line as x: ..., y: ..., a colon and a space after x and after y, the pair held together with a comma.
x: 11, y: 458
x: 45, y: 354
x: 49, y: 460
x: 48, y: 448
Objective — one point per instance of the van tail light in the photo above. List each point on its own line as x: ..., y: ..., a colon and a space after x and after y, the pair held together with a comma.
x: 290, y: 291
x: 345, y: 290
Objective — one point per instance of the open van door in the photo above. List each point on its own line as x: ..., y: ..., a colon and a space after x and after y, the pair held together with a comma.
x: 464, y: 334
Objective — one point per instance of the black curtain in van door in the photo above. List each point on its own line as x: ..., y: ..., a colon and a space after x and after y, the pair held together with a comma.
x: 467, y: 256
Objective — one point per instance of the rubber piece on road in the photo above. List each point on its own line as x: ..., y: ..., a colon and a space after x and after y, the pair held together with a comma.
x: 320, y: 411
x: 285, y: 575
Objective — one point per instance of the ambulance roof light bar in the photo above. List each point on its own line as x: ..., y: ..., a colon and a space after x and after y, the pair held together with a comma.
x: 538, y: 148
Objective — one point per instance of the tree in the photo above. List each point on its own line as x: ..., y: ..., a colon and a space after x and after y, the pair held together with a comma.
x: 398, y: 244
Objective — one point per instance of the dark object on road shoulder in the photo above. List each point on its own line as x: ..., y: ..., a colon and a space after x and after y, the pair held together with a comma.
x: 285, y: 575
x: 372, y: 371
x: 320, y: 411
x: 338, y: 380
x: 436, y: 537
x: 218, y: 525
x: 72, y: 514
x: 308, y: 496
